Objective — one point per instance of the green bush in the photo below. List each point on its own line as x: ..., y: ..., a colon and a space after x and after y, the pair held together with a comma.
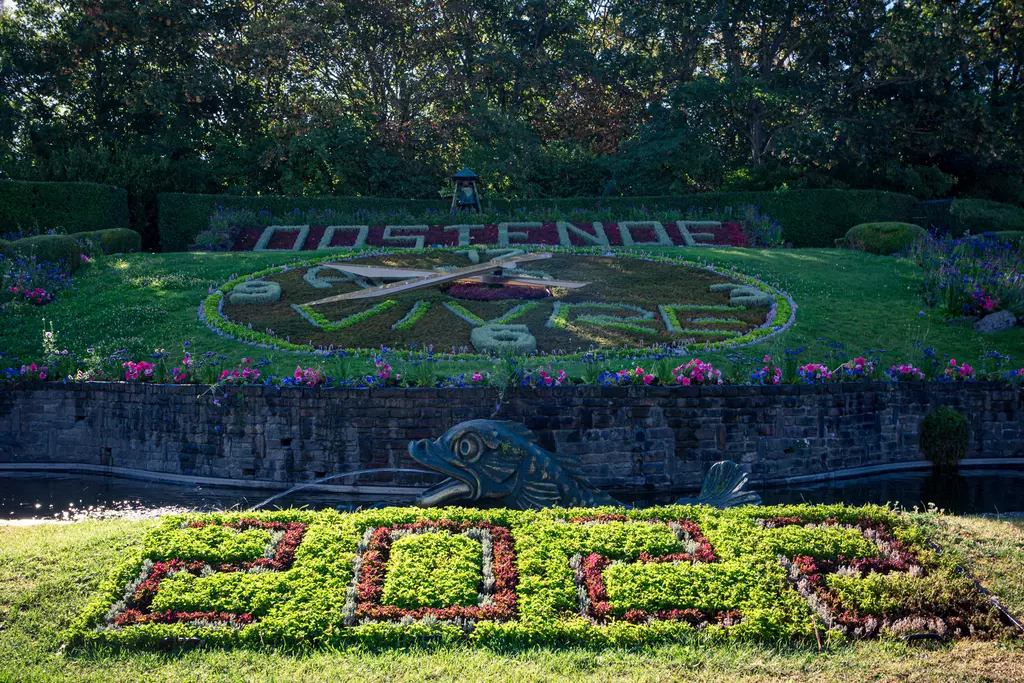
x: 809, y: 218
x: 882, y: 238
x: 944, y: 437
x: 48, y: 248
x: 985, y: 215
x: 67, y: 207
x: 112, y: 241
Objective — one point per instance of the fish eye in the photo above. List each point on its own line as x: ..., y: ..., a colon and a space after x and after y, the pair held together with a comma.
x: 468, y: 447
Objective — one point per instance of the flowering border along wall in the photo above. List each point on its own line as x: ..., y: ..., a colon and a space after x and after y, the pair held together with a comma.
x: 600, y: 576
x: 780, y: 314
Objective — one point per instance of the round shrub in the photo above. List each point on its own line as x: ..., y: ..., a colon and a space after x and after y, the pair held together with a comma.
x: 48, y: 248
x: 944, y: 437
x: 255, y: 292
x: 882, y: 238
x: 112, y: 241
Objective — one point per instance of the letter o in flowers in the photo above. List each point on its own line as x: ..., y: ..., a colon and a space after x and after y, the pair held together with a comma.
x: 255, y: 292
x: 491, y: 338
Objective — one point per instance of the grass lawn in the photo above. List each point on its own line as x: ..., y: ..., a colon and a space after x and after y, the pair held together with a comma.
x: 48, y: 573
x: 143, y: 302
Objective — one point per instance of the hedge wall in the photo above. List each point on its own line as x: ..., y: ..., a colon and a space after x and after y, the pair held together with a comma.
x: 69, y: 207
x: 984, y: 215
x: 183, y: 216
x: 809, y: 218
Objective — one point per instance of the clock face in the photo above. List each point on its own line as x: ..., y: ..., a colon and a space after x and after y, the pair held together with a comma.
x: 593, y: 302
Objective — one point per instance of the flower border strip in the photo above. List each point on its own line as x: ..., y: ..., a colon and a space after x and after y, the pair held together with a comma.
x: 210, y: 310
x: 134, y: 606
x: 671, y: 320
x: 559, y: 319
x: 474, y: 320
x: 593, y: 595
x: 320, y: 320
x: 418, y: 310
x: 497, y: 600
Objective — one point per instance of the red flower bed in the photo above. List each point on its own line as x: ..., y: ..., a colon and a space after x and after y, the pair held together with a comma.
x: 478, y: 291
x: 138, y: 610
x: 373, y: 571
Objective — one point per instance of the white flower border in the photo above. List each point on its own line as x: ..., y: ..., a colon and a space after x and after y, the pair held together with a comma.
x: 485, y: 595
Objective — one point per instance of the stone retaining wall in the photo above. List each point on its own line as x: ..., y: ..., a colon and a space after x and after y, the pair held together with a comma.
x: 627, y: 438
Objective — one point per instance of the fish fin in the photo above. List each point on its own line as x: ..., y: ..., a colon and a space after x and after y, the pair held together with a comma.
x: 500, y: 465
x: 723, y: 488
x: 539, y: 494
x: 570, y: 463
x: 519, y: 430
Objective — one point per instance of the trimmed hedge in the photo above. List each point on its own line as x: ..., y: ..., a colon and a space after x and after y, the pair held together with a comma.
x: 113, y: 241
x: 68, y: 207
x: 945, y: 436
x: 883, y: 239
x: 181, y: 217
x: 984, y: 215
x: 47, y: 248
x: 809, y: 218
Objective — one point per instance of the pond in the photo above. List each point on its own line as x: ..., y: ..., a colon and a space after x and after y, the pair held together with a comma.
x: 25, y: 495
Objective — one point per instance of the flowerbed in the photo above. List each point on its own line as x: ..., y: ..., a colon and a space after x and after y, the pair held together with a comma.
x: 971, y: 275
x: 637, y: 233
x: 616, y: 309
x: 598, y: 577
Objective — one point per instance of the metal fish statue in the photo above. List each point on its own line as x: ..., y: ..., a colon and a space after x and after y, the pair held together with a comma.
x: 500, y: 462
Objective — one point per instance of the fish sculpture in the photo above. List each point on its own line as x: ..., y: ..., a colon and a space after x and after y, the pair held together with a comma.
x: 500, y: 462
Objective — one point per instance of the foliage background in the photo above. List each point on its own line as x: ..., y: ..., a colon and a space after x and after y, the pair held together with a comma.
x: 543, y: 98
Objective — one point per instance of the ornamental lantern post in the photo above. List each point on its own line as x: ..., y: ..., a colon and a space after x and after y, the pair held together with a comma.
x: 467, y: 195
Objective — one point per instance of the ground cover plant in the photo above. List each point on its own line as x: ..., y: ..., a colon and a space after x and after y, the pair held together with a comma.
x: 597, y: 577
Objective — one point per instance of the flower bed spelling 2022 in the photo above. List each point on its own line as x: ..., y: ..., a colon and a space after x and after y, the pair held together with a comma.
x: 597, y: 576
x: 550, y: 289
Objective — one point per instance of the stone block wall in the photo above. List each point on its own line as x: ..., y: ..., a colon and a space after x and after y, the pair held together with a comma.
x: 627, y: 438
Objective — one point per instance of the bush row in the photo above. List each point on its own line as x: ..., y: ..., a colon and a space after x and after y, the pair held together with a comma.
x: 809, y: 218
x: 36, y: 207
x: 599, y: 576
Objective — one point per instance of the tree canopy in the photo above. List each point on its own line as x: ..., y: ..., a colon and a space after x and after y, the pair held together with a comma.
x: 541, y: 97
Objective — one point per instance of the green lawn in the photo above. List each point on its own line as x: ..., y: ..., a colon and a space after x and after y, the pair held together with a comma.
x: 143, y: 302
x: 48, y: 574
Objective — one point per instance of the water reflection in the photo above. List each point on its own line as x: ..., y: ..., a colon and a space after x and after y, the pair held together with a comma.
x: 47, y: 495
